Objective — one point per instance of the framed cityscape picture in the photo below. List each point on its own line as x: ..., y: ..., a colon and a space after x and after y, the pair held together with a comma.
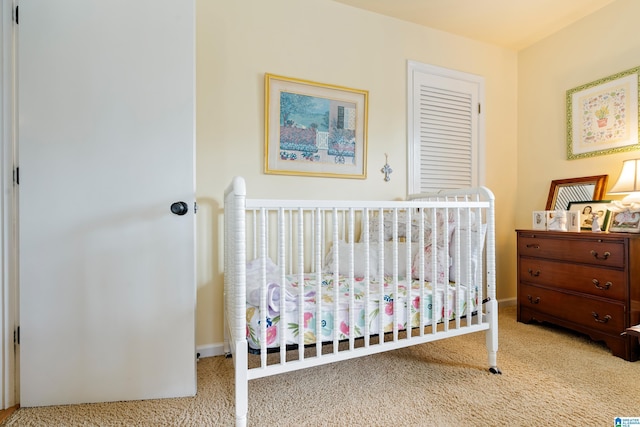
x: 315, y: 129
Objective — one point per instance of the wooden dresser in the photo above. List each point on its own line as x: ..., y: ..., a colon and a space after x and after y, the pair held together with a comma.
x: 587, y: 282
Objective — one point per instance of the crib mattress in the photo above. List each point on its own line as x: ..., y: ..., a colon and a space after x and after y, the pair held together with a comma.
x: 335, y: 317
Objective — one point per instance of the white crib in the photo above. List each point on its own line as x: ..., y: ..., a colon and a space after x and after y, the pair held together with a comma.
x: 311, y: 282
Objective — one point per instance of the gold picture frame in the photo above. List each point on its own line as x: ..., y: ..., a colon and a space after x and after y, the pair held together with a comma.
x: 315, y: 129
x: 603, y: 116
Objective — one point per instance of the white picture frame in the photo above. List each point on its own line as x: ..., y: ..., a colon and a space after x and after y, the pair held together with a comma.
x: 539, y: 220
x: 573, y: 221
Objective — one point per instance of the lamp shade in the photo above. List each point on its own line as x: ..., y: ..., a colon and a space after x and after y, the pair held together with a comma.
x: 629, y: 179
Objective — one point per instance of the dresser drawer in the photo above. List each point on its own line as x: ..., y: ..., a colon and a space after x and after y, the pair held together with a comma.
x: 606, y: 252
x: 602, y: 282
x: 593, y: 313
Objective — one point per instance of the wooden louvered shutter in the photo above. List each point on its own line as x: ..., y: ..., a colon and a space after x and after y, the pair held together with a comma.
x: 444, y: 129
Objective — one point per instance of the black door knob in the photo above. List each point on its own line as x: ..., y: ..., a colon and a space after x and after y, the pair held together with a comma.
x: 179, y: 208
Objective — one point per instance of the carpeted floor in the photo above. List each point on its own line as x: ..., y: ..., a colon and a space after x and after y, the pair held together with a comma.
x: 551, y: 377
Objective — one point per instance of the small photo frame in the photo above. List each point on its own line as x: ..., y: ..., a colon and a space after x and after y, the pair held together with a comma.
x: 539, y: 220
x: 592, y: 210
x: 625, y: 222
x: 573, y: 221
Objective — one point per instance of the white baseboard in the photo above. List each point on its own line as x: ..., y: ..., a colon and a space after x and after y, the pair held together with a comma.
x: 210, y: 350
x: 507, y: 302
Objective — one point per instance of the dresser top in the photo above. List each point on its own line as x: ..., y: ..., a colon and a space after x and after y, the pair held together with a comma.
x: 583, y: 234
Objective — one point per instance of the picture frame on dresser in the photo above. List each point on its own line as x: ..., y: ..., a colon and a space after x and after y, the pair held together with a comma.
x: 563, y: 191
x: 539, y: 220
x: 587, y: 208
x: 573, y: 221
x: 626, y: 222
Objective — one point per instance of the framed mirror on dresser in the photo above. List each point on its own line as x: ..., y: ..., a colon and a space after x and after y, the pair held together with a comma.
x: 564, y: 191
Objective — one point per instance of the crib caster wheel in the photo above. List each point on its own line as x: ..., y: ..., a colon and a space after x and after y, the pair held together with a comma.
x: 495, y: 370
x: 228, y: 355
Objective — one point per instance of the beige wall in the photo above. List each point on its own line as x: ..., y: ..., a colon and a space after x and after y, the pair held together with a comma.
x: 597, y: 46
x: 328, y: 42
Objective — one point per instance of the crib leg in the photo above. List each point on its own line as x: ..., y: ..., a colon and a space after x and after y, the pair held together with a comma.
x: 242, y: 383
x: 492, y: 335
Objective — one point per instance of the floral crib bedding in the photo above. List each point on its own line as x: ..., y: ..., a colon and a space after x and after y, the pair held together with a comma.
x: 313, y: 329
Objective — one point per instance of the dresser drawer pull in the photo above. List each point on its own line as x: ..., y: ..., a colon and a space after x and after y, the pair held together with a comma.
x: 597, y: 318
x: 534, y: 273
x: 604, y: 287
x: 532, y: 300
x: 533, y: 246
x: 604, y: 256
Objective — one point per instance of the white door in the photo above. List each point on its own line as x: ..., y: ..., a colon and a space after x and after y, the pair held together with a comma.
x: 106, y: 146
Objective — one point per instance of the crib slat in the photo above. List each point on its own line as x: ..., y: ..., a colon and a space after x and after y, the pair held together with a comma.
x: 451, y: 306
x: 352, y: 306
x: 319, y: 256
x: 281, y: 263
x: 263, y: 288
x: 367, y: 289
x: 300, y: 266
x: 407, y: 269
x: 381, y: 278
x: 336, y: 279
x: 394, y: 254
x: 422, y: 306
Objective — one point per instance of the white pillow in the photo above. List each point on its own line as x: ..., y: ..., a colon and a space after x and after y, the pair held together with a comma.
x: 374, y: 259
x: 359, y: 258
x: 442, y: 264
x: 474, y: 258
x: 402, y: 257
x: 387, y: 224
x: 468, y: 216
